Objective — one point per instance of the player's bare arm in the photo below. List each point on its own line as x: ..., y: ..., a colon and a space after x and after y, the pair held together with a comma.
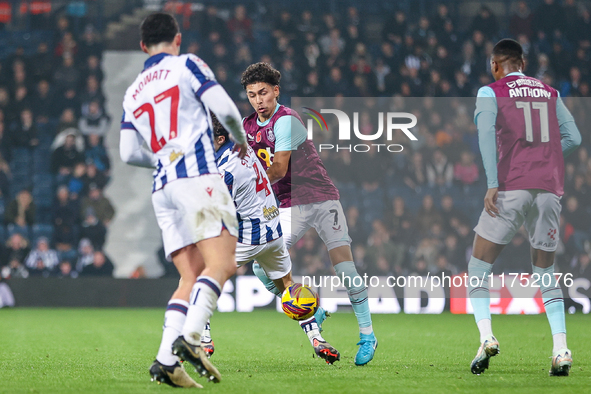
x: 490, y: 201
x: 279, y: 167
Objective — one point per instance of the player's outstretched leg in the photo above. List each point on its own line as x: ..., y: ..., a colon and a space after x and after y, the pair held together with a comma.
x: 206, y: 340
x: 480, y: 299
x: 312, y: 327
x: 554, y: 305
x: 174, y: 375
x: 322, y: 348
x: 357, y: 292
x: 262, y: 275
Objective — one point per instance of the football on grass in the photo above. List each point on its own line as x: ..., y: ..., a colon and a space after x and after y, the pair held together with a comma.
x: 299, y: 301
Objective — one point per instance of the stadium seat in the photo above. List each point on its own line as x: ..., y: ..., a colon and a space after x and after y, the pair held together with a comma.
x: 455, y: 192
x: 45, y: 133
x: 71, y: 256
x: 41, y: 160
x: 44, y: 215
x: 43, y: 197
x: 3, y: 46
x: 349, y: 194
x: 21, y: 167
x: 43, y: 194
x: 42, y: 230
x: 264, y: 42
x: 44, y: 180
x: 371, y: 205
x: 43, y: 35
x: 21, y: 155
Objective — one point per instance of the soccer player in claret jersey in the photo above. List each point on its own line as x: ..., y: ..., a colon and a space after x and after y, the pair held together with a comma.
x: 524, y: 132
x: 307, y: 196
x: 167, y: 106
x: 260, y: 235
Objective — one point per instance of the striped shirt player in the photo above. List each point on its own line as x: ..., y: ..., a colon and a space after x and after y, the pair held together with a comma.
x: 167, y: 107
x: 261, y: 237
x: 259, y: 228
x: 156, y: 101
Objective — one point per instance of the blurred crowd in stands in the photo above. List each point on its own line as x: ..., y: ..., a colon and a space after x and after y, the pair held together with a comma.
x: 53, y: 161
x: 408, y: 212
x: 411, y: 212
x: 331, y: 54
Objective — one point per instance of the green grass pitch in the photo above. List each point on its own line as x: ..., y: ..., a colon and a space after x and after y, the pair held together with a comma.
x: 110, y: 351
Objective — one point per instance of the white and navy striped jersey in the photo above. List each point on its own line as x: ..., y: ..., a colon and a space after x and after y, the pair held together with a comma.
x: 256, y: 205
x: 163, y: 105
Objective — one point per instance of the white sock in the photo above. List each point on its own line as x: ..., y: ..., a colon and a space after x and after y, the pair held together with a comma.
x: 484, y: 326
x: 311, y: 329
x: 366, y: 330
x: 174, y: 319
x: 206, y: 334
x: 559, y: 342
x: 203, y: 302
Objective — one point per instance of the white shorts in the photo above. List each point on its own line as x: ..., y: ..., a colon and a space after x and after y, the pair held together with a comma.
x: 272, y: 256
x: 327, y: 217
x: 189, y: 210
x: 538, y: 210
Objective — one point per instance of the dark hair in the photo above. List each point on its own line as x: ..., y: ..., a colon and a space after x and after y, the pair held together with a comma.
x: 508, y: 50
x: 158, y: 27
x: 260, y: 72
x: 218, y: 129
